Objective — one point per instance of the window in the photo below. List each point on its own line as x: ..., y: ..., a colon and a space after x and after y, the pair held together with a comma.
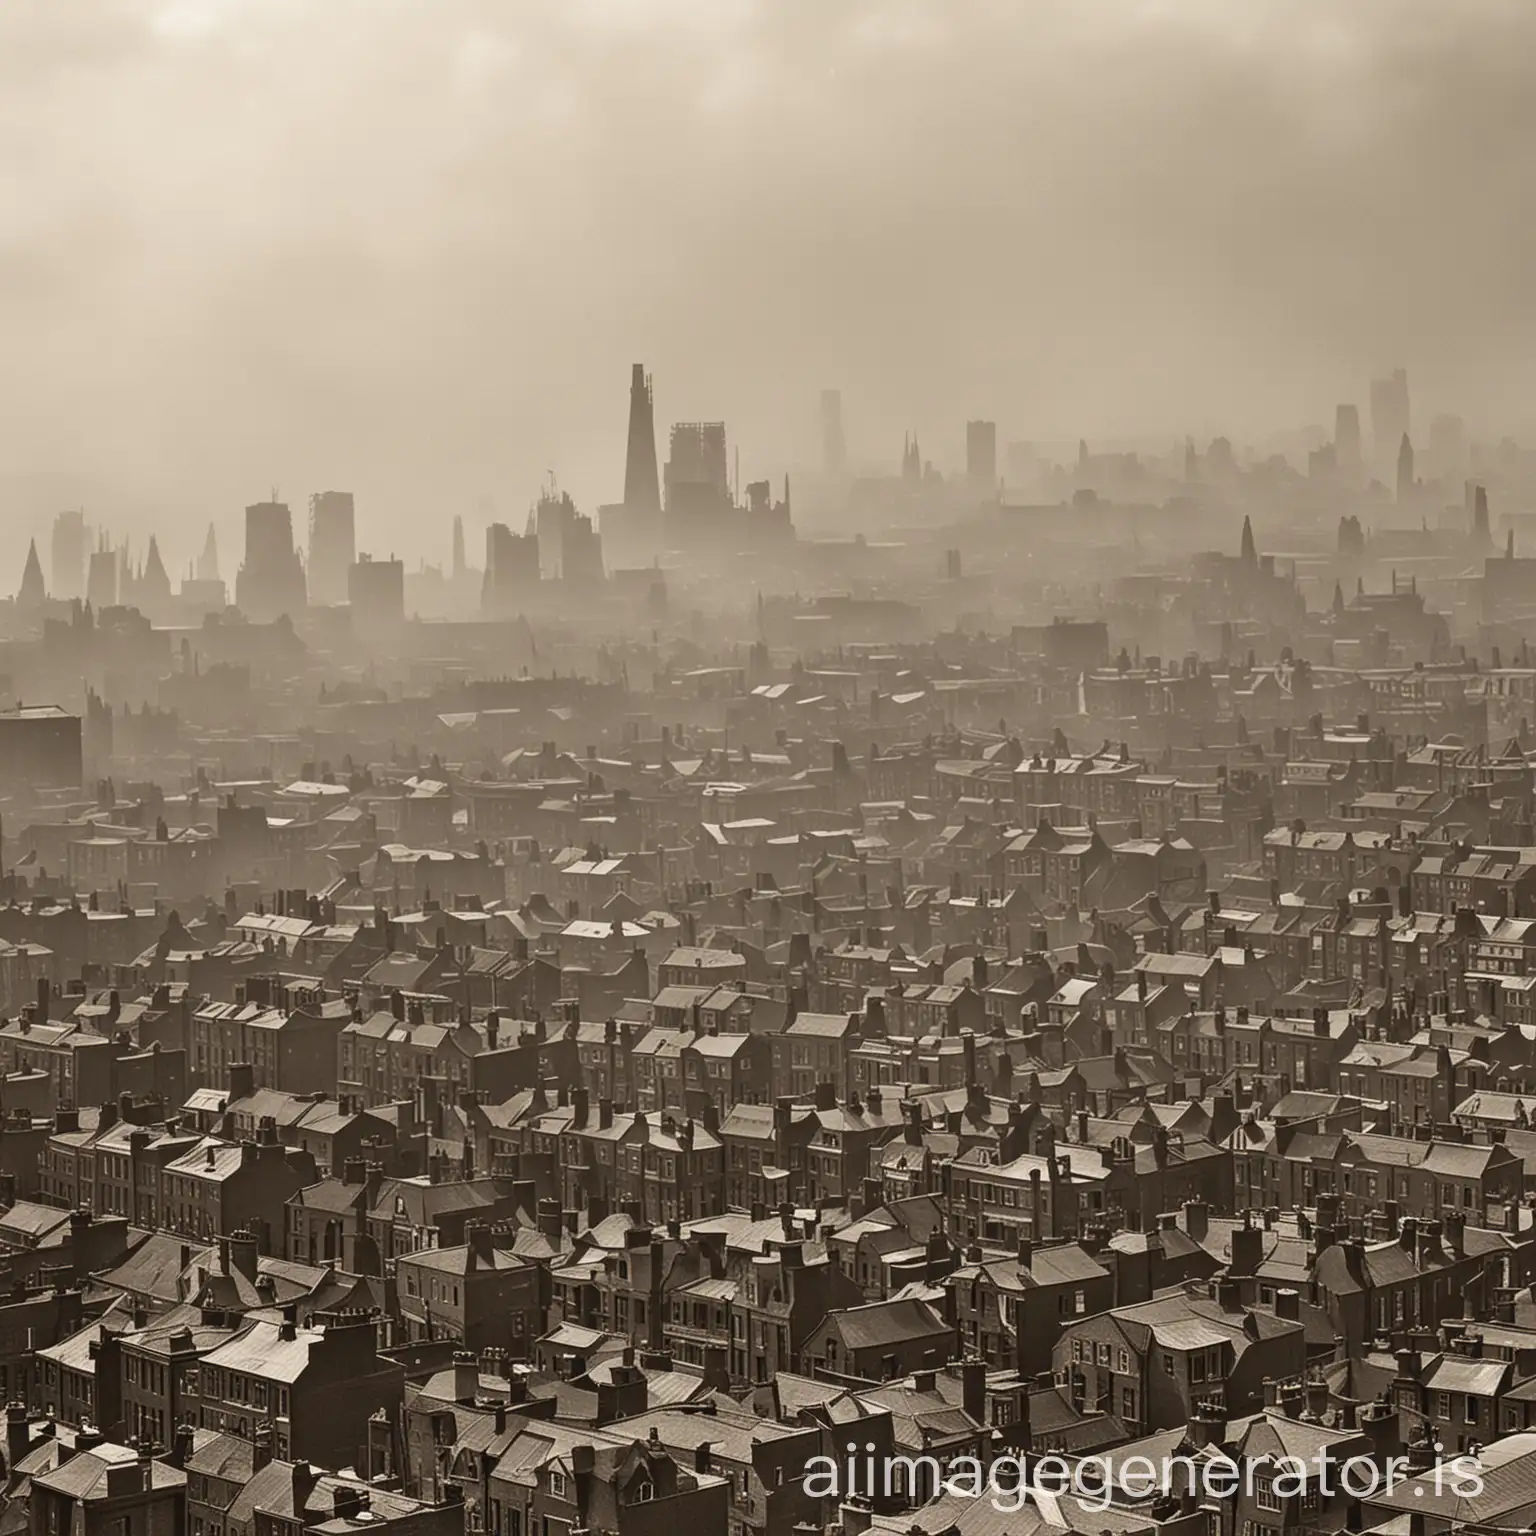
x: 557, y: 1485
x: 1168, y: 1365
x: 1264, y: 1493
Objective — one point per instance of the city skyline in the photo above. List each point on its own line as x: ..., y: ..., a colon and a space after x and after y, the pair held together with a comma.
x: 1141, y: 203
x: 1383, y: 404
x: 740, y: 730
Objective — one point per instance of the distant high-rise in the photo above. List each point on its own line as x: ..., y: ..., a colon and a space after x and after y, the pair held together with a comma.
x: 698, y: 483
x: 1482, y: 533
x: 459, y: 565
x: 570, y: 549
x: 1390, y: 420
x: 632, y: 528
x: 271, y: 581
x: 1405, y: 470
x: 332, y: 545
x: 1346, y: 441
x: 101, y: 579
x: 511, y: 570
x: 696, y: 460
x: 376, y: 594
x: 69, y: 550
x: 642, y: 485
x: 981, y: 455
x: 834, y: 447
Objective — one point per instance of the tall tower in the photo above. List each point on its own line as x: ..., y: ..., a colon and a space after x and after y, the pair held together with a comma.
x: 271, y: 581
x: 1390, y: 421
x: 642, y: 481
x: 332, y: 545
x: 101, y: 578
x: 459, y: 565
x: 1346, y: 440
x: 981, y: 455
x: 1482, y: 534
x: 834, y: 447
x: 1405, y: 470
x: 69, y: 551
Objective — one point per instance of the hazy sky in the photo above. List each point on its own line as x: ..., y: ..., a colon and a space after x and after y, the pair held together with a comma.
x: 410, y: 247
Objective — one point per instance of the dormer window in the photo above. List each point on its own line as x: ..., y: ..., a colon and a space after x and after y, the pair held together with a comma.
x: 644, y: 1491
x: 557, y: 1485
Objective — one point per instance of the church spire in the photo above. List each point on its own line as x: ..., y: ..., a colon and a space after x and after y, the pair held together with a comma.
x: 32, y: 593
x: 208, y: 563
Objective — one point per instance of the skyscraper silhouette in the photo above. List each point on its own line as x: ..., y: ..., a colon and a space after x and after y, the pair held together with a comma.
x: 1390, y: 419
x: 1405, y: 470
x: 1346, y: 441
x: 69, y: 552
x: 1482, y: 534
x: 332, y: 545
x: 271, y: 581
x: 642, y: 481
x: 981, y: 455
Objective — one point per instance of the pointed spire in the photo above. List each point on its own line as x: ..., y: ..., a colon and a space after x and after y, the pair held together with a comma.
x: 154, y: 576
x: 642, y: 482
x: 1509, y: 544
x: 208, y: 564
x: 1250, y: 550
x: 1338, y: 598
x: 32, y: 593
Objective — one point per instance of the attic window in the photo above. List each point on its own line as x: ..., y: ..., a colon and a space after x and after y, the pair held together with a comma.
x: 557, y: 1485
x: 644, y: 1492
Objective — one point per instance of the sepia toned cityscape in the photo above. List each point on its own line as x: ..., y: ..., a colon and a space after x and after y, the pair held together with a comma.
x: 932, y: 932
